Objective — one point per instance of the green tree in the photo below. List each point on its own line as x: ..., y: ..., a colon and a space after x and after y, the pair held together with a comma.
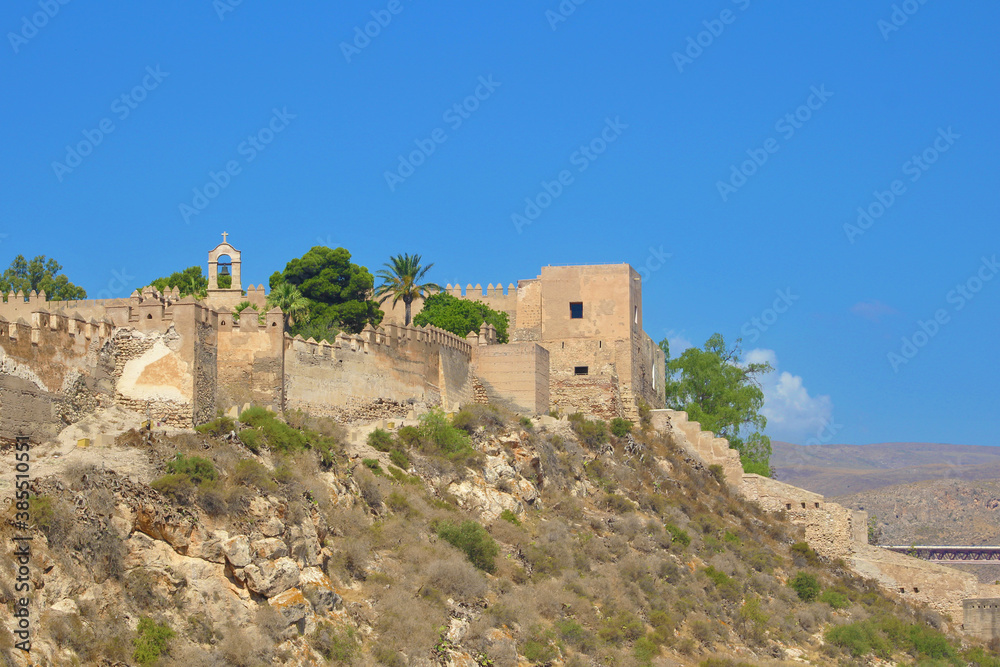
x: 191, y: 282
x: 723, y: 394
x: 40, y: 275
x: 401, y: 281
x: 460, y: 316
x: 293, y: 305
x: 337, y: 291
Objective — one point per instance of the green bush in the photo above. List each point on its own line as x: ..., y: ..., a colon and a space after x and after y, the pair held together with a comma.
x: 151, y: 640
x: 677, y: 535
x: 252, y: 438
x: 473, y: 539
x: 645, y: 649
x: 859, y: 639
x: 620, y: 427
x: 592, y: 434
x: 178, y: 487
x: 438, y: 436
x: 197, y: 468
x: 805, y: 586
x: 835, y: 599
x: 380, y: 440
x: 217, y: 427
x: 399, y: 458
x: 278, y: 435
x: 408, y: 436
x: 526, y: 423
x: 373, y: 465
x: 510, y: 517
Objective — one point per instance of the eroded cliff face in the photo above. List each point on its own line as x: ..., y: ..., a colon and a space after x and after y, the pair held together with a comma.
x: 628, y: 550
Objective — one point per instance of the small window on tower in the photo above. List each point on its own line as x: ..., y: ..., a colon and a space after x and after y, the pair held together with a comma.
x: 581, y: 370
x: 576, y: 310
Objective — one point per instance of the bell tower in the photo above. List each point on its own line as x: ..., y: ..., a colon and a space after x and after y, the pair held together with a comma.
x: 224, y: 285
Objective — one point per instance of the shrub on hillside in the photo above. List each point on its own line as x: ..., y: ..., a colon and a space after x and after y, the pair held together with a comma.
x: 471, y: 417
x: 805, y: 586
x: 439, y: 436
x: 678, y: 535
x: 278, y: 435
x: 178, y: 487
x: 591, y: 434
x: 472, y: 538
x: 620, y: 427
x: 408, y: 436
x: 252, y: 439
x: 218, y: 427
x: 380, y: 440
x: 198, y: 469
x: 151, y: 640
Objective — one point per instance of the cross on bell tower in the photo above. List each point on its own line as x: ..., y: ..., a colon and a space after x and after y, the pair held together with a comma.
x: 224, y: 235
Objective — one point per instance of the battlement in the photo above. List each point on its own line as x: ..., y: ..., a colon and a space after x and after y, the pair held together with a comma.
x: 45, y: 325
x: 371, y: 340
x: 478, y: 291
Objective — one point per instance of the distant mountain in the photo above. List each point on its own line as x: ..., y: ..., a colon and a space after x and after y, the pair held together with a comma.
x: 941, y: 511
x: 840, y: 470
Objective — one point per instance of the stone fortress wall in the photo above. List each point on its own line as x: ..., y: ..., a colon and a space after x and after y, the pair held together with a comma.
x: 601, y: 361
x: 837, y: 532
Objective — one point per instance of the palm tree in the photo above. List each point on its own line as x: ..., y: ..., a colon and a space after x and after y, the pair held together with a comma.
x: 401, y: 281
x: 288, y: 297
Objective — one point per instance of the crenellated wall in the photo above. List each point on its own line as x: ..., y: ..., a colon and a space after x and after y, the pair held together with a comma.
x: 424, y: 364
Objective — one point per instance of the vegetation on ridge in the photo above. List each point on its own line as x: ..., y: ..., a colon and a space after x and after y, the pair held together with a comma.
x: 460, y: 316
x: 721, y: 392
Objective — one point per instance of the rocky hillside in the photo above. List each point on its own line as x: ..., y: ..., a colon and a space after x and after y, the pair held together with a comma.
x: 840, y: 470
x: 481, y: 540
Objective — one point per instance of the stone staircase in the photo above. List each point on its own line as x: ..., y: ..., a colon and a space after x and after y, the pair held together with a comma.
x: 702, y: 445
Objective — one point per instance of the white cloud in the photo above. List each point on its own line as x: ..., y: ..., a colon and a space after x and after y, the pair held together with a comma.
x: 792, y: 414
x: 678, y: 343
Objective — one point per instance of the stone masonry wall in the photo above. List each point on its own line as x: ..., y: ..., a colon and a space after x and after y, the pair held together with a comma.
x: 53, y: 371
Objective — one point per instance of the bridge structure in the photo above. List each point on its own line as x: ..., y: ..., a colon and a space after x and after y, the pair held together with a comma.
x: 950, y: 554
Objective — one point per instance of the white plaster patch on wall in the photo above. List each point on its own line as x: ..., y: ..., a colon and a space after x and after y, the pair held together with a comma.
x: 157, y: 375
x: 9, y: 366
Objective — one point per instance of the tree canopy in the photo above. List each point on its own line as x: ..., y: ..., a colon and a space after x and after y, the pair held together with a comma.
x: 40, y: 275
x: 190, y: 281
x: 716, y: 389
x: 401, y: 281
x: 338, y: 292
x: 460, y: 316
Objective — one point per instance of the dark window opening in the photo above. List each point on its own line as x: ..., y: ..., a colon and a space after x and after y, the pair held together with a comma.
x: 817, y: 505
x: 149, y: 317
x: 788, y: 506
x: 223, y: 323
x: 902, y: 590
x: 916, y: 590
x: 576, y: 310
x: 803, y: 505
x: 581, y: 370
x: 599, y: 344
x: 274, y: 324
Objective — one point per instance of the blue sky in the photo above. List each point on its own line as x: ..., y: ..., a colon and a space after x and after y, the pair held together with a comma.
x: 627, y: 124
